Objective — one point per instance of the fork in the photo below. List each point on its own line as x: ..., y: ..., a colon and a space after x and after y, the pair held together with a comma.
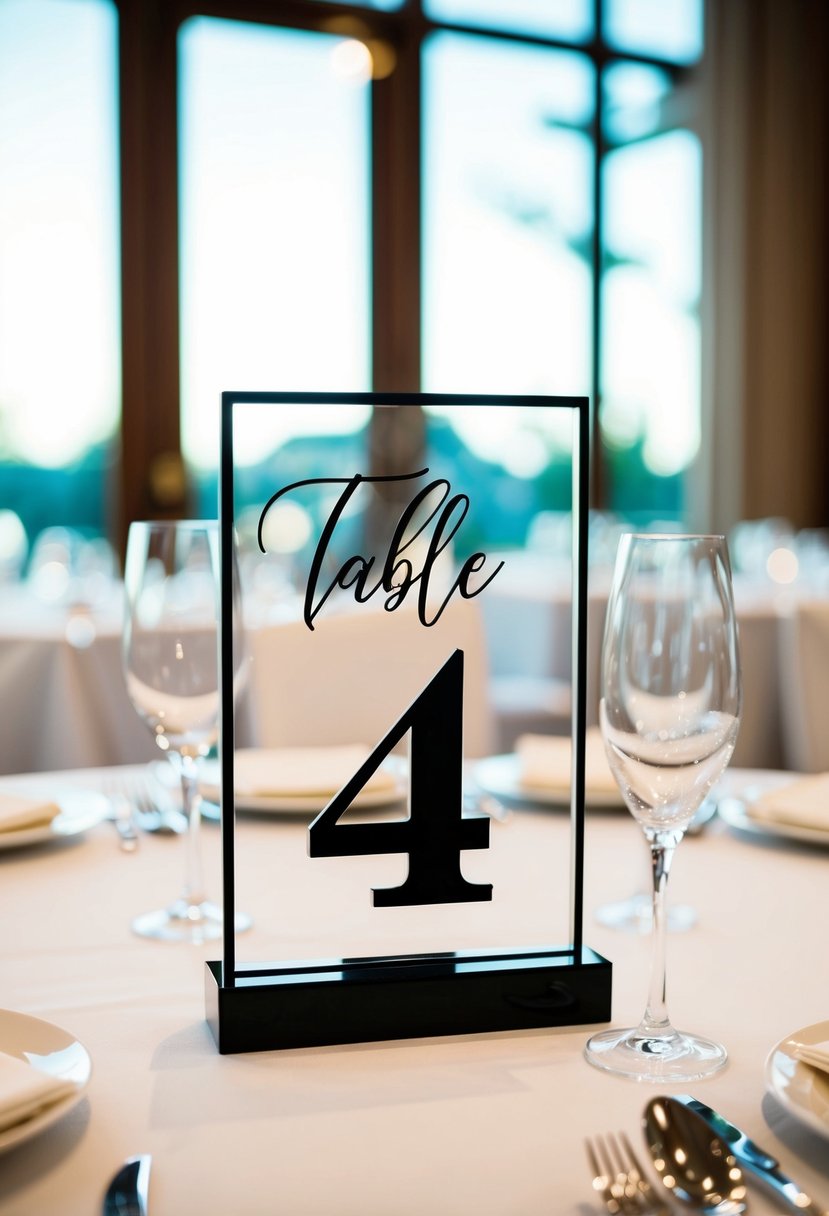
x: 121, y: 814
x: 151, y: 814
x: 619, y: 1178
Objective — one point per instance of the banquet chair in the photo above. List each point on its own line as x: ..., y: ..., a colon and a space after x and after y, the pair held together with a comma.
x: 804, y: 685
x: 350, y: 679
x: 537, y: 698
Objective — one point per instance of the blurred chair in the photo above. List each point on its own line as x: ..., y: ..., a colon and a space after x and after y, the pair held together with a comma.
x: 351, y: 678
x: 804, y: 685
x: 535, y: 696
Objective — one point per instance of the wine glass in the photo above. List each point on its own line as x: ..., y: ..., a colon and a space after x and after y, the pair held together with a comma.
x: 171, y: 668
x: 669, y: 716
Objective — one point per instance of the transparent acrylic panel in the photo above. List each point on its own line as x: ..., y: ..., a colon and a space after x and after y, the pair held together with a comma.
x: 667, y: 29
x: 570, y: 20
x: 275, y: 243
x: 650, y: 419
x: 60, y: 370
x: 507, y: 217
x: 320, y: 699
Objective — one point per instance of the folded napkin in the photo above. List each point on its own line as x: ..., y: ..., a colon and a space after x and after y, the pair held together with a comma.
x: 305, y: 772
x: 814, y: 1054
x: 25, y: 1091
x: 803, y: 803
x: 544, y: 763
x: 17, y: 812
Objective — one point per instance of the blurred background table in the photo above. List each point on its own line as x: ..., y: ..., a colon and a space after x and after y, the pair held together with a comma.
x: 66, y: 706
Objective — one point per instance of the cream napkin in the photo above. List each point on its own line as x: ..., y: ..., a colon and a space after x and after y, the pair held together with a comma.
x: 815, y: 1054
x: 17, y: 812
x: 305, y: 772
x: 803, y: 803
x: 544, y: 764
x: 25, y: 1091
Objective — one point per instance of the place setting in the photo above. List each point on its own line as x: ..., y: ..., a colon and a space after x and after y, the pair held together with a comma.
x: 695, y: 1157
x: 298, y: 782
x: 56, y: 816
x: 781, y: 808
x: 44, y: 1074
x: 538, y: 773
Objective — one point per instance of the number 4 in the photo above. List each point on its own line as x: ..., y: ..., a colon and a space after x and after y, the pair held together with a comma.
x: 435, y: 832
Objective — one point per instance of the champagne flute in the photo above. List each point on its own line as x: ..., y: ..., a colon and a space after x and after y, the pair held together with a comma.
x: 171, y: 668
x: 669, y: 716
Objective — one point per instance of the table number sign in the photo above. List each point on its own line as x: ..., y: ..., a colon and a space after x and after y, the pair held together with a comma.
x: 401, y: 536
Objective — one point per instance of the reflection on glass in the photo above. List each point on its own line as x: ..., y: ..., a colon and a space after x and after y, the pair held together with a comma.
x: 507, y: 218
x: 275, y: 225
x: 650, y: 358
x: 666, y: 29
x: 59, y: 291
x: 571, y: 20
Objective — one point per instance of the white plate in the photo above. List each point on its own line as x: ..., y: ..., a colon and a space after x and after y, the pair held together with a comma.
x: 734, y: 812
x: 53, y: 1051
x: 307, y: 804
x: 80, y: 810
x: 499, y: 775
x: 804, y: 1091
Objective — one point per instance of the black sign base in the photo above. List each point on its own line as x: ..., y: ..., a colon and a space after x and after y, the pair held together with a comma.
x: 402, y: 997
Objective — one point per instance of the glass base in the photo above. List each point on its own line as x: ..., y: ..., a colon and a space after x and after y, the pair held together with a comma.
x: 668, y: 1057
x: 185, y: 922
x: 635, y: 915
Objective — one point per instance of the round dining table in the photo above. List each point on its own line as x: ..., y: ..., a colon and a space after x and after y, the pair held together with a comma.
x: 491, y: 1123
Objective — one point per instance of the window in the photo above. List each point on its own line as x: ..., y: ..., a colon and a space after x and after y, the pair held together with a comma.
x: 446, y: 194
x: 275, y: 253
x: 60, y: 366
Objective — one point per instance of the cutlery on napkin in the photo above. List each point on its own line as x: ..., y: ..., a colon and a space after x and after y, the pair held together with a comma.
x: 18, y: 813
x: 544, y: 763
x: 802, y: 803
x: 305, y: 771
x: 25, y: 1091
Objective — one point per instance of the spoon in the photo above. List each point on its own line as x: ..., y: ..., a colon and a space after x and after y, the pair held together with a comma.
x: 693, y: 1162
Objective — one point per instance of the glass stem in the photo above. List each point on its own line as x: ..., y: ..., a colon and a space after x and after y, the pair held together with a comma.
x: 656, y: 1020
x: 191, y: 803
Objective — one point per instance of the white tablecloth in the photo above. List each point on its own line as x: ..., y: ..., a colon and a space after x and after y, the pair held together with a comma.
x: 492, y: 1124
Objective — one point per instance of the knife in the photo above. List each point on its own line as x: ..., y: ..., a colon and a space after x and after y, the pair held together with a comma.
x: 752, y: 1157
x: 126, y: 1194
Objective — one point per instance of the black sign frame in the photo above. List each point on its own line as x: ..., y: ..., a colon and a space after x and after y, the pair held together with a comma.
x: 344, y: 1000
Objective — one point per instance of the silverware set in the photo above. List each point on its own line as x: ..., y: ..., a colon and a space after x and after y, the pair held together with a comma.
x: 698, y: 1157
x: 134, y: 807
x: 619, y: 1179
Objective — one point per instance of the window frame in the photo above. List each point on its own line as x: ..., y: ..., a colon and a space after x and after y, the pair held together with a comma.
x: 153, y: 478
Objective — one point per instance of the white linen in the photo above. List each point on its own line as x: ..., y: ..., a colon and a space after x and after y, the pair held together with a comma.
x: 544, y: 763
x: 815, y: 1054
x: 494, y: 1122
x: 304, y: 771
x: 803, y: 803
x: 18, y: 812
x: 25, y: 1091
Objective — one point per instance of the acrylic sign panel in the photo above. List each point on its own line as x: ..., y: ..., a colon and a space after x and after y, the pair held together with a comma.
x: 398, y: 567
